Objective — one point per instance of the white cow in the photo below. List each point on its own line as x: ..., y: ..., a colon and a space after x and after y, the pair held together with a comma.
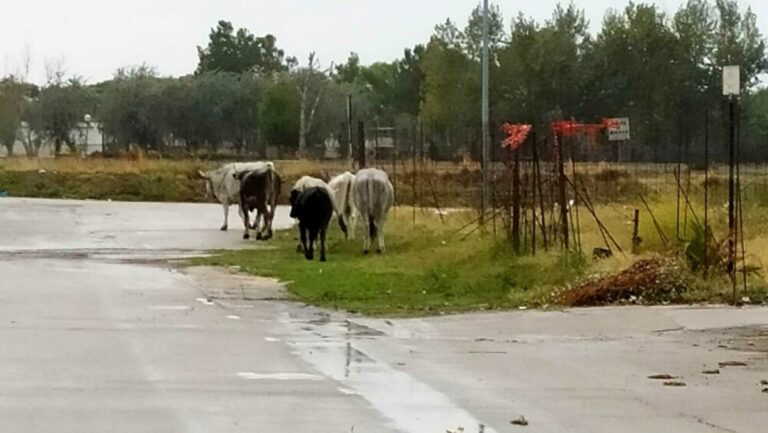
x: 374, y: 196
x: 307, y: 182
x: 225, y: 188
x: 343, y: 187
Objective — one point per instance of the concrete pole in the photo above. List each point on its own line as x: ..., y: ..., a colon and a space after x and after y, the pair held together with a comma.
x: 485, y: 116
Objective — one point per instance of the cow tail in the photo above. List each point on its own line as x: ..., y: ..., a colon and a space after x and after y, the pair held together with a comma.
x: 373, y: 231
x: 371, y: 211
x: 348, y: 200
x: 277, y: 184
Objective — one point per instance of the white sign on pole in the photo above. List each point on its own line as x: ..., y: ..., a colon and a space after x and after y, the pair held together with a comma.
x: 731, y: 80
x: 618, y: 129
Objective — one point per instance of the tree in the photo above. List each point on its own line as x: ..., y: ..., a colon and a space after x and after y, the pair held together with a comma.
x: 62, y: 105
x: 311, y: 86
x: 131, y: 110
x: 472, y: 37
x: 239, y: 52
x: 279, y: 123
x: 449, y: 90
x: 408, y: 80
x: 15, y: 97
x: 448, y: 35
x: 632, y: 72
x: 32, y: 137
x: 11, y: 100
x: 739, y: 42
x: 224, y: 108
x: 349, y: 72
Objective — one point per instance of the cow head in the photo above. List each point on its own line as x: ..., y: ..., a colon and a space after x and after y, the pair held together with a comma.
x: 294, y: 200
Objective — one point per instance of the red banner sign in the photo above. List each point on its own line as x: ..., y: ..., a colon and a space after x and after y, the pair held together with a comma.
x: 516, y: 134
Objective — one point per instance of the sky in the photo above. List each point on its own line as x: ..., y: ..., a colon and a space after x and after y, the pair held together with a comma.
x: 92, y: 38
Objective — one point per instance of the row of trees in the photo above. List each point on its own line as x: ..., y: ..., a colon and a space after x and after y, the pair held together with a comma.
x: 662, y: 71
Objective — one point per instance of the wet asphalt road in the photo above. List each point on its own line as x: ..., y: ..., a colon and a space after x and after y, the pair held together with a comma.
x: 99, y: 332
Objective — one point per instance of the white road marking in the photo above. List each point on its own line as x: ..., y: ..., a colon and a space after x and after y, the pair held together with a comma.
x: 271, y: 339
x: 170, y: 307
x: 79, y: 271
x: 279, y: 376
x: 204, y: 301
x: 233, y: 317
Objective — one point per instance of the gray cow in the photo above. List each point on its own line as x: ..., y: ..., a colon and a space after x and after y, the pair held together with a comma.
x: 373, y: 197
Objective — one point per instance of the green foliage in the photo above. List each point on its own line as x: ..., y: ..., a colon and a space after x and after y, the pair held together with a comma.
x: 699, y: 245
x: 449, y: 88
x: 209, y: 108
x: 472, y: 36
x: 62, y: 106
x: 280, y: 120
x: 239, y: 52
x: 11, y: 108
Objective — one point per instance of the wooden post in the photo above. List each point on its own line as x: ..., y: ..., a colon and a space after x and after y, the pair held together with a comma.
x: 561, y: 192
x: 350, y: 152
x: 530, y: 183
x: 635, y: 233
x: 706, y: 194
x: 361, y: 144
x: 394, y: 169
x: 413, y: 174
x: 516, y: 201
x: 537, y: 185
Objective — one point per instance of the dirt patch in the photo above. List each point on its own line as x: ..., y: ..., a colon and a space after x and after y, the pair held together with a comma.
x: 649, y: 281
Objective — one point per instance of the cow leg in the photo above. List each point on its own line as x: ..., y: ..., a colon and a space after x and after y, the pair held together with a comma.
x: 269, y: 217
x: 322, y: 245
x: 352, y: 224
x: 380, y: 236
x: 246, y: 222
x: 310, y: 251
x: 225, y: 226
x: 303, y: 239
x: 266, y: 229
x: 257, y: 224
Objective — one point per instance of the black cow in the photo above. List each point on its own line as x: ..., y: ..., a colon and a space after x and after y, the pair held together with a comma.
x: 313, y: 207
x: 259, y: 190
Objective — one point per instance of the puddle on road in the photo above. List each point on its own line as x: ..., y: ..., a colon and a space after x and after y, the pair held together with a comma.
x: 411, y: 405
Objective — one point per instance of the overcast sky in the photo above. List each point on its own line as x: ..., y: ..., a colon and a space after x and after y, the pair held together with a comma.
x: 95, y: 37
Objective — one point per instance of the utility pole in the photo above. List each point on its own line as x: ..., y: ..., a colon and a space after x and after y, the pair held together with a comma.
x: 485, y: 116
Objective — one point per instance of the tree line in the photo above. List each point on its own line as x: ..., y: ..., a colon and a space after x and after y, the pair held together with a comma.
x: 660, y: 70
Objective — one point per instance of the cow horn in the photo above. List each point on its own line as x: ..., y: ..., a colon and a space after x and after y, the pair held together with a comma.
x: 203, y: 175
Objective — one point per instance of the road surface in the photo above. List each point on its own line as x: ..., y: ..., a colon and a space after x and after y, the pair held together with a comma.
x: 102, y: 331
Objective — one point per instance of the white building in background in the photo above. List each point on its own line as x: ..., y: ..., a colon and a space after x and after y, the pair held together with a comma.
x: 87, y: 136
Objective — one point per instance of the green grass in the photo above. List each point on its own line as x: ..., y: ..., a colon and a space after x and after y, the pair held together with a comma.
x: 431, y: 268
x: 427, y: 269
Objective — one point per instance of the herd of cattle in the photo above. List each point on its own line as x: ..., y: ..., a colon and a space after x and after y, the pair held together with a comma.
x: 256, y: 186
